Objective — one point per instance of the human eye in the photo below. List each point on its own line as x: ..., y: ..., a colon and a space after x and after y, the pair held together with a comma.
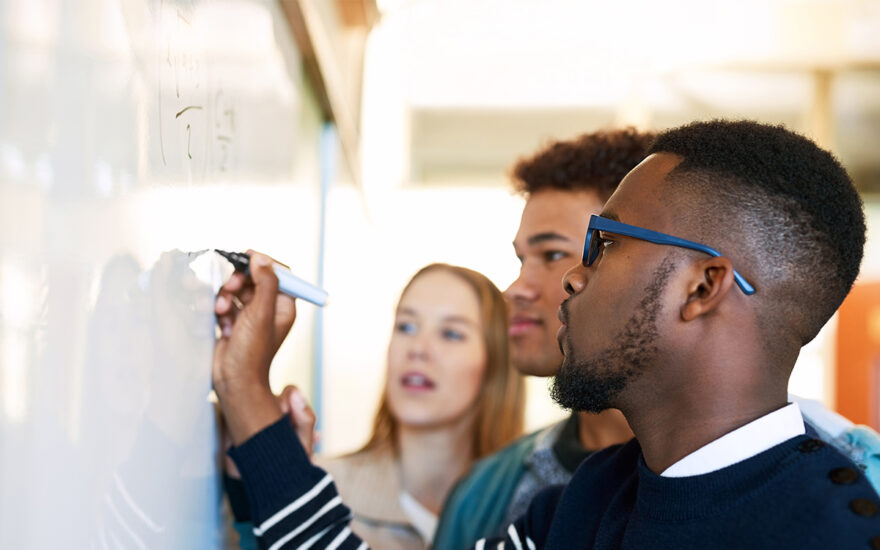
x: 453, y: 334
x: 555, y: 255
x: 405, y: 327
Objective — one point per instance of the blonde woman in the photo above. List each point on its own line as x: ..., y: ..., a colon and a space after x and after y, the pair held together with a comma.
x: 450, y: 398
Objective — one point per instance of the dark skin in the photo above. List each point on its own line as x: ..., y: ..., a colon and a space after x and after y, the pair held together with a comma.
x: 254, y: 319
x: 549, y: 240
x: 710, y: 374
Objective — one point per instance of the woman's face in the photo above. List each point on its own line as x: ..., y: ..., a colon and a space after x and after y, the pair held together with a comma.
x: 437, y: 356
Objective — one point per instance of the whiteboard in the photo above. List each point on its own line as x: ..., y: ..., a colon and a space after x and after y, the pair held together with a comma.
x: 134, y: 134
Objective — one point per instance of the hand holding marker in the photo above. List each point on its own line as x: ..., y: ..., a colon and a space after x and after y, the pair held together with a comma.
x: 288, y: 283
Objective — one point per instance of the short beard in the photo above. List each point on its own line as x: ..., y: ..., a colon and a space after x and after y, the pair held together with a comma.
x: 593, y: 384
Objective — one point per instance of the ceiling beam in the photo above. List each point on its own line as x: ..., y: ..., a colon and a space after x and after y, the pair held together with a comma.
x: 324, y: 69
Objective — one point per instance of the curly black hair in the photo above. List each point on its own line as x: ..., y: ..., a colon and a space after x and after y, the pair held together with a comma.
x: 781, y: 204
x: 590, y: 162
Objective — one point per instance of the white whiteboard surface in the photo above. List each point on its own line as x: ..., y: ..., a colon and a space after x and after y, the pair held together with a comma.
x: 131, y: 133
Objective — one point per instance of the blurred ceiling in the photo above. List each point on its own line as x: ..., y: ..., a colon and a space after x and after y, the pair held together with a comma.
x: 485, y: 81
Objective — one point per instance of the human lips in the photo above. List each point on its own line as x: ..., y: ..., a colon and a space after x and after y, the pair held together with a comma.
x: 520, y: 324
x: 416, y: 381
x: 562, y: 314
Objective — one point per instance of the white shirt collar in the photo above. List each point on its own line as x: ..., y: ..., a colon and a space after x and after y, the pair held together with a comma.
x: 828, y: 424
x: 742, y: 443
x: 423, y: 520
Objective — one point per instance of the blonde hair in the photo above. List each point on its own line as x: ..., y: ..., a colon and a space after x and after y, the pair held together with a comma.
x: 500, y: 402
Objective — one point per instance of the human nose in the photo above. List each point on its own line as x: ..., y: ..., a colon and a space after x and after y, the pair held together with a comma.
x: 575, y: 279
x: 419, y: 346
x: 524, y: 288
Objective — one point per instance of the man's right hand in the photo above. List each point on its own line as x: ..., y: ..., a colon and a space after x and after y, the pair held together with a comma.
x: 254, y: 319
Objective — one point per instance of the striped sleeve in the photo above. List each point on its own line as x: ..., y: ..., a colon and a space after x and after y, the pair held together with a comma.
x: 515, y: 539
x: 294, y: 504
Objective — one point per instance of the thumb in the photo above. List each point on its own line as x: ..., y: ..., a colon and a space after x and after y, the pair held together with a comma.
x: 283, y: 400
x: 265, y: 290
x: 303, y: 418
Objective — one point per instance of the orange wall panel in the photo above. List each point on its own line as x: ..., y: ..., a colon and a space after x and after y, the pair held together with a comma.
x: 858, y: 355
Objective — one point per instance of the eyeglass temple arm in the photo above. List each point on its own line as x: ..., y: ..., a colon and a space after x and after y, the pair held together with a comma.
x: 664, y: 239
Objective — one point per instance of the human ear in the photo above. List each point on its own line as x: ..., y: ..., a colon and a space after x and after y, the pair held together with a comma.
x: 710, y: 282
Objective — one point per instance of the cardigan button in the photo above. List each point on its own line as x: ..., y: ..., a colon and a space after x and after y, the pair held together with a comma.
x: 843, y: 476
x: 810, y: 446
x: 863, y: 507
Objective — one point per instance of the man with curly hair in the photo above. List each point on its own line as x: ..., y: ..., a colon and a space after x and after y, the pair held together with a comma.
x: 563, y: 184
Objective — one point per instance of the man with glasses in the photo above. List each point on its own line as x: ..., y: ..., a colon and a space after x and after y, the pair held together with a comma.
x: 565, y: 185
x: 665, y: 332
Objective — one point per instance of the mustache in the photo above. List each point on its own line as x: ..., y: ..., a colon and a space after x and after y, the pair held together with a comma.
x: 563, y: 310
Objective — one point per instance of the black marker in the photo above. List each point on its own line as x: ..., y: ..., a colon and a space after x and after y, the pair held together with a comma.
x: 288, y: 283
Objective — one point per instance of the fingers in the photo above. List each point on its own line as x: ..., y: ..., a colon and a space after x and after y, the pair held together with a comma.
x: 231, y: 298
x: 285, y: 315
x: 301, y: 416
x: 226, y: 314
x: 294, y: 405
x: 251, y: 308
x: 283, y: 399
x: 234, y: 286
x: 303, y: 421
x: 285, y: 306
x: 265, y: 290
x: 304, y: 416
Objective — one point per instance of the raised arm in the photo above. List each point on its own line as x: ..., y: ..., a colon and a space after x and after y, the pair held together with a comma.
x: 293, y: 503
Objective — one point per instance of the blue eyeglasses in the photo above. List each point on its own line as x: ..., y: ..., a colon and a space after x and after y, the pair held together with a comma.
x: 598, y: 223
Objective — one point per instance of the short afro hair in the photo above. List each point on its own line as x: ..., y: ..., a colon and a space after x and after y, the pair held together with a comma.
x: 782, y: 205
x: 590, y: 162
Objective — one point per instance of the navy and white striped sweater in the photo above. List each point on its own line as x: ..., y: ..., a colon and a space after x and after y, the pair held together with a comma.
x: 799, y: 494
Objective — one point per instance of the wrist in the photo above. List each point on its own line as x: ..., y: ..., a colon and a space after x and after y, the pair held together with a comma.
x: 237, y: 386
x: 248, y: 408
